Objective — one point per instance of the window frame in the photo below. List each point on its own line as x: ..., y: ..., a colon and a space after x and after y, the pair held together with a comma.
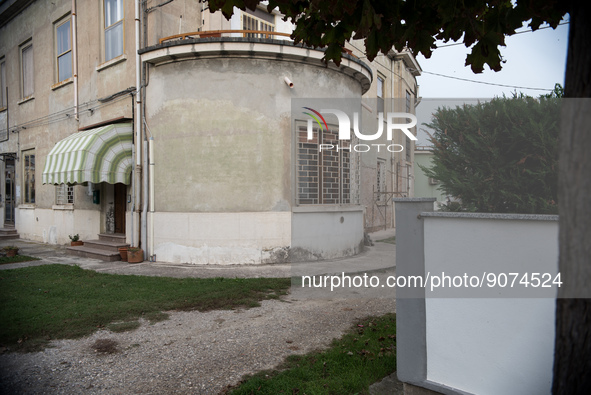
x: 59, y: 23
x: 380, y: 80
x: 258, y: 21
x: 317, y: 181
x: 28, y: 184
x: 3, y: 87
x: 64, y: 194
x: 408, y: 140
x: 24, y: 73
x: 112, y: 26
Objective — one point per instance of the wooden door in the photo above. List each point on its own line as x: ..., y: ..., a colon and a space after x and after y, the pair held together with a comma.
x: 120, y: 206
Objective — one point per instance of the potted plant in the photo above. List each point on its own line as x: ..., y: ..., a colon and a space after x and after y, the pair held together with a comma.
x: 11, y: 251
x: 75, y: 240
x: 123, y: 253
x: 135, y: 255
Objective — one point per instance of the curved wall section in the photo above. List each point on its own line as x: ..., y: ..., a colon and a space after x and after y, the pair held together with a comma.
x: 220, y: 114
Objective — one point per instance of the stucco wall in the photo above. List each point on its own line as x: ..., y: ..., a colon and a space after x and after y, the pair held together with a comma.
x: 53, y: 226
x: 222, y: 130
x: 324, y: 233
x: 480, y: 340
x: 491, y: 346
x: 222, y: 238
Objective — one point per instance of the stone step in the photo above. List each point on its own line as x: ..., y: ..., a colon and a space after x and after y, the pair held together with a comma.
x: 112, y: 246
x: 8, y: 233
x: 115, y: 237
x: 88, y: 252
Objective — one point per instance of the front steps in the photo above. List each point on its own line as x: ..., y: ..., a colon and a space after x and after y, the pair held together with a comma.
x: 106, y: 248
x: 8, y: 233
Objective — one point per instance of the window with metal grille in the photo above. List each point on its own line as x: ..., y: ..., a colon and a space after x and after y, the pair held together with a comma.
x: 381, y: 178
x: 64, y: 194
x: 250, y: 22
x: 324, y: 176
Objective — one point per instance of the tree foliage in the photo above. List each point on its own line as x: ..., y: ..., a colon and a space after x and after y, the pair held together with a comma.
x: 499, y: 156
x: 414, y: 24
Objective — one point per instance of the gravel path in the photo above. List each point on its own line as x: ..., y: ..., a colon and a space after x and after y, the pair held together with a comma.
x: 191, y: 352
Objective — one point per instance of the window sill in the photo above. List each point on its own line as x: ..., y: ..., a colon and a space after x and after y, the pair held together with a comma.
x: 112, y: 62
x: 2, y: 109
x: 26, y: 99
x: 62, y: 83
x: 27, y: 206
x: 69, y: 207
x: 312, y: 208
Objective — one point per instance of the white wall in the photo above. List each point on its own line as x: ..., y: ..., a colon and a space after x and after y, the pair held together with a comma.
x: 221, y: 238
x: 53, y: 226
x: 326, y: 232
x: 484, y: 345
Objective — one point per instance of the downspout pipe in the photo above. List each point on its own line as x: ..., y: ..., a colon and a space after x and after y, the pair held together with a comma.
x: 151, y: 212
x: 138, y: 126
x: 75, y: 58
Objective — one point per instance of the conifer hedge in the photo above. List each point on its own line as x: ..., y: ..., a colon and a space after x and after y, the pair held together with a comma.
x: 499, y: 156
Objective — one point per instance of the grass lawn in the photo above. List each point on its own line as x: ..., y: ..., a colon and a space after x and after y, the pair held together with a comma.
x: 17, y: 258
x: 60, y: 301
x: 361, y: 357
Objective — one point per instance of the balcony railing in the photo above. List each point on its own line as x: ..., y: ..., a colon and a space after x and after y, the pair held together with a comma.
x: 219, y: 33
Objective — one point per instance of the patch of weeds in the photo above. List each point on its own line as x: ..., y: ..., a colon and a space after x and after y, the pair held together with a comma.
x: 119, y: 327
x: 105, y: 346
x: 389, y: 240
x: 17, y: 258
x: 363, y: 356
x: 155, y: 316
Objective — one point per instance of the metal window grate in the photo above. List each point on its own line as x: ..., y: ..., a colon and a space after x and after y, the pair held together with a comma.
x: 64, y: 194
x: 327, y: 176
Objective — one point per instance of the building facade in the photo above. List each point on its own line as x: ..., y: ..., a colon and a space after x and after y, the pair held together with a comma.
x: 174, y: 127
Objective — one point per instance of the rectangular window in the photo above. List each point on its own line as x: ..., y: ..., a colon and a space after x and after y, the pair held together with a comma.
x: 63, y: 38
x: 29, y: 176
x: 3, y: 94
x: 113, y: 28
x: 408, y: 141
x: 64, y: 194
x: 380, y: 93
x: 250, y: 22
x: 27, y: 75
x: 323, y: 177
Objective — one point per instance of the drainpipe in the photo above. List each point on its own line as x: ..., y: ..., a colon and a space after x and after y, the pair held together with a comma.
x: 151, y: 213
x: 144, y: 233
x: 75, y: 58
x: 137, y: 123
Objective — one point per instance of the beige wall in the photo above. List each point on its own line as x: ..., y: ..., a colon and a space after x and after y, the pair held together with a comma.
x: 48, y: 116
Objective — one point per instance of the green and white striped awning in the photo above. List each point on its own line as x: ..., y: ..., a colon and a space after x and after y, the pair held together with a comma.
x: 96, y: 155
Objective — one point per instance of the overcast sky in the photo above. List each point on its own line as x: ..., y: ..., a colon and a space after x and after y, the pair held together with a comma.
x: 535, y: 60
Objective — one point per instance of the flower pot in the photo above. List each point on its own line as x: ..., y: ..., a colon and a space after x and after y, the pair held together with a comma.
x: 135, y: 256
x: 123, y: 253
x: 11, y: 253
x: 76, y: 243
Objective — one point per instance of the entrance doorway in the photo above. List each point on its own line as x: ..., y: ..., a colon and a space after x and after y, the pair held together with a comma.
x: 120, y: 206
x: 9, y: 196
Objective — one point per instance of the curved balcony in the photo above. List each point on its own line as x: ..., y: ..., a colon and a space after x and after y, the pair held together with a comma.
x: 250, y: 44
